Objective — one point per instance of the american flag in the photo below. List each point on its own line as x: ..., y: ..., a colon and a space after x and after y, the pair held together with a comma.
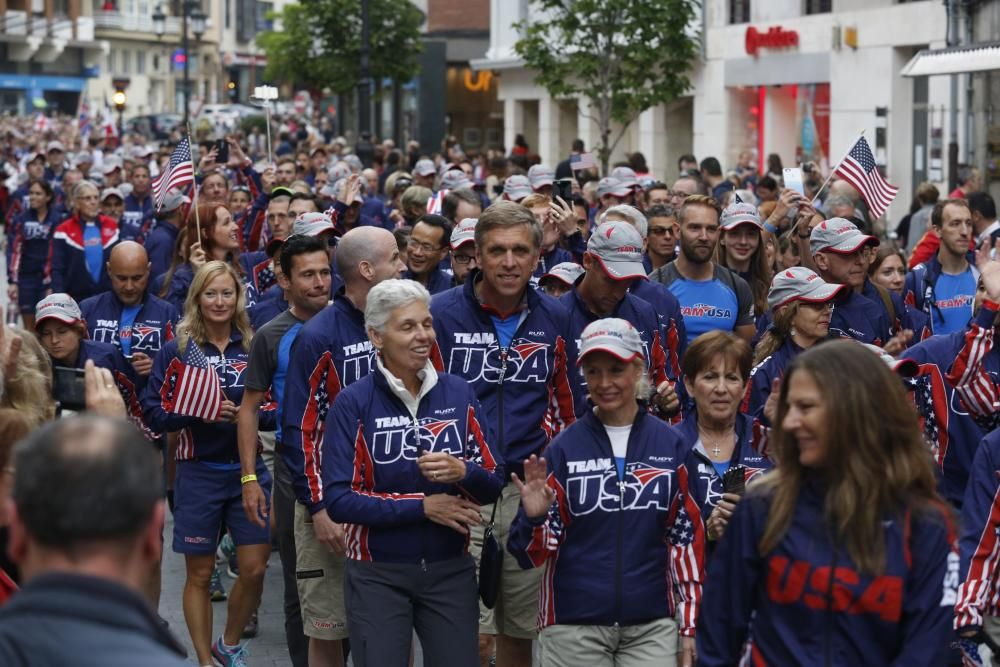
x: 682, y: 530
x: 582, y: 161
x: 193, y: 387
x: 42, y: 123
x: 859, y: 169
x: 178, y: 173
x: 84, y: 118
x: 108, y: 122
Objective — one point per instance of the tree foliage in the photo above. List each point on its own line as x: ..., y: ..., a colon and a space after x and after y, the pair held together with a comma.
x: 625, y: 56
x: 320, y: 43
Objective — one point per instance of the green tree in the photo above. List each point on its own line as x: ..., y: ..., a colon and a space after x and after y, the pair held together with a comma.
x: 319, y: 44
x: 624, y: 56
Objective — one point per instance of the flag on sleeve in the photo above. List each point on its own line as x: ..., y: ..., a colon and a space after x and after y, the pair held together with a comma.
x: 178, y: 173
x: 859, y: 169
x: 192, y: 386
x: 582, y: 161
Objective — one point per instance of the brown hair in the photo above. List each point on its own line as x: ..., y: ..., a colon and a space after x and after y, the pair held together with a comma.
x: 504, y: 214
x: 877, y: 464
x: 780, y: 331
x: 885, y: 251
x: 705, y: 348
x: 205, y: 218
x: 937, y: 213
x: 760, y: 272
x: 534, y: 200
x: 698, y: 200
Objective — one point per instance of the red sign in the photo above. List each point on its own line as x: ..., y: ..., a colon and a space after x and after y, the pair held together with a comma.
x: 776, y: 37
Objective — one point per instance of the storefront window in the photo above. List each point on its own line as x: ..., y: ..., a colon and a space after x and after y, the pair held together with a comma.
x: 792, y: 121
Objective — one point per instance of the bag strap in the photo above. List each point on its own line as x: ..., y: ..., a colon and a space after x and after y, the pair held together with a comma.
x: 493, y: 514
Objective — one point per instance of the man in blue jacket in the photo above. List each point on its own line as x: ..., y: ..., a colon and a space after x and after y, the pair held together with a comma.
x: 514, y: 346
x: 128, y: 316
x: 86, y: 533
x: 161, y: 241
x: 138, y: 215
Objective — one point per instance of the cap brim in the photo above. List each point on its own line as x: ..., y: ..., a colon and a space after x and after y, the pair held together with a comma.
x: 65, y: 319
x: 744, y: 221
x: 561, y: 279
x: 619, y: 352
x: 455, y: 245
x: 823, y: 293
x: 622, y: 270
x: 849, y: 246
x: 542, y: 183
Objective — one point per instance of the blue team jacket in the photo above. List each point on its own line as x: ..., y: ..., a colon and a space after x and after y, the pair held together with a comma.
x: 979, y: 594
x: 438, y: 281
x: 332, y: 351
x: 963, y: 433
x: 29, y: 244
x: 68, y: 261
x: 137, y: 218
x: 616, y: 551
x: 763, y: 374
x: 201, y: 440
x: 861, y: 318
x: 668, y: 308
x: 152, y: 328
x: 526, y: 390
x: 784, y: 608
x: 370, y: 474
x: 159, y: 246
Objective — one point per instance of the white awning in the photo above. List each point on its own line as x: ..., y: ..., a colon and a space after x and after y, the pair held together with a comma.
x: 978, y: 57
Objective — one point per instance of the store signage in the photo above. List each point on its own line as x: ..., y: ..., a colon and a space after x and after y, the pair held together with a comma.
x: 776, y: 37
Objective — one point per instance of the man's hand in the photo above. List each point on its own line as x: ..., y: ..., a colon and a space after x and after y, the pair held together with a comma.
x: 990, y: 274
x: 351, y: 190
x: 237, y: 158
x: 255, y: 504
x: 142, y: 363
x: 666, y: 398
x: 102, y: 395
x: 329, y: 533
x: 898, y: 342
x: 208, y: 164
x: 452, y: 511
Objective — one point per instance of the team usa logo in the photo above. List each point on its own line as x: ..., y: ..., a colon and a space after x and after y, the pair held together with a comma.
x: 403, y: 438
x: 593, y: 485
x: 146, y: 339
x: 706, y: 310
x: 477, y: 356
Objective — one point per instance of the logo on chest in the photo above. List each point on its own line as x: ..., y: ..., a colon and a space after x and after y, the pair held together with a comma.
x: 402, y: 438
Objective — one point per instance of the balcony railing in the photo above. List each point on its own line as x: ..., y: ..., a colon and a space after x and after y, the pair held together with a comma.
x: 17, y: 22
x: 129, y: 23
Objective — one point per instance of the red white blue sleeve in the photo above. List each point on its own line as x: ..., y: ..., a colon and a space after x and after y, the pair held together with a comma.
x: 980, y: 542
x: 533, y: 541
x: 686, y: 541
x: 975, y: 387
x: 483, y: 467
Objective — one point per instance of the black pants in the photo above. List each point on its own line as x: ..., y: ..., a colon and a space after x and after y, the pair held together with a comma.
x: 386, y: 602
x: 284, y: 525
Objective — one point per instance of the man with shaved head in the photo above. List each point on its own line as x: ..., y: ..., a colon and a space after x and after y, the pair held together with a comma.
x: 331, y: 351
x: 128, y: 316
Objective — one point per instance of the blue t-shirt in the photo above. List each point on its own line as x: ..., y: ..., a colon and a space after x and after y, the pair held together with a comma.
x: 506, y: 327
x: 723, y: 302
x: 125, y: 328
x: 953, y: 297
x: 93, y: 250
x: 720, y: 468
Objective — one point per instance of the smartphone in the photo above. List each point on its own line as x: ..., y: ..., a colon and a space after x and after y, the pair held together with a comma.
x: 734, y: 481
x: 793, y: 179
x: 68, y: 388
x: 222, y: 151
x: 564, y: 189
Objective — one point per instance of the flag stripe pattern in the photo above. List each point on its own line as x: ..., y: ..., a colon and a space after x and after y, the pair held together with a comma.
x: 178, y: 173
x: 196, y: 388
x: 859, y: 169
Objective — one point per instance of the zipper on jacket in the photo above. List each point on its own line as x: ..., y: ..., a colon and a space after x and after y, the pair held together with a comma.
x: 503, y: 374
x: 621, y: 540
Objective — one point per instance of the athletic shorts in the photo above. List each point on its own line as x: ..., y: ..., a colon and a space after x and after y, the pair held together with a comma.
x: 204, y: 496
x: 652, y: 644
x: 319, y: 578
x: 516, y: 611
x: 29, y: 292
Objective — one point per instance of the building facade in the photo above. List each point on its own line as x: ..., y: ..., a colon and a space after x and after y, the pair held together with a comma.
x: 798, y: 78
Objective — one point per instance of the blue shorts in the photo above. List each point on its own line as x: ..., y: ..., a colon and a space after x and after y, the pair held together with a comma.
x: 29, y: 292
x: 204, y: 494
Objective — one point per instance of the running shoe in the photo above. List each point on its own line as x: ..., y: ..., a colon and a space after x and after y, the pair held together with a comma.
x: 225, y: 550
x: 230, y: 657
x: 252, y: 626
x: 215, y: 587
x: 233, y: 569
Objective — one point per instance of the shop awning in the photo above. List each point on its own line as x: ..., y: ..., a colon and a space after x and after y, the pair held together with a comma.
x: 978, y: 57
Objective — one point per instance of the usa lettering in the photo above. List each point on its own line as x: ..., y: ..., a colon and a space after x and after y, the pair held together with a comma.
x: 398, y: 438
x: 644, y: 487
x: 799, y: 582
x: 358, y: 362
x: 527, y: 361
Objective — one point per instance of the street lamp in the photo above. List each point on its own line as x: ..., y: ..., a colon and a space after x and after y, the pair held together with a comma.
x: 119, y: 99
x: 192, y: 12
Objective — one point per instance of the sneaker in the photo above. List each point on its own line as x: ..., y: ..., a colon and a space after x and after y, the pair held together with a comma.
x: 233, y: 570
x: 252, y: 627
x: 215, y: 588
x: 225, y: 550
x: 229, y: 657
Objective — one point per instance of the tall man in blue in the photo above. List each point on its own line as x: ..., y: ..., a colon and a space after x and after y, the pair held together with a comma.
x: 331, y: 352
x: 712, y: 297
x: 138, y: 215
x: 305, y: 278
x: 128, y: 316
x: 515, y: 347
x: 944, y: 286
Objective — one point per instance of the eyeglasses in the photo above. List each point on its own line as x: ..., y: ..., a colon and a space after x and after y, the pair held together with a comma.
x: 660, y: 231
x: 817, y: 306
x: 464, y: 259
x: 413, y: 244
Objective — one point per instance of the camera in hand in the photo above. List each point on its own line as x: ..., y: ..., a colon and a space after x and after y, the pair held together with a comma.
x: 564, y: 189
x: 222, y: 151
x: 68, y: 388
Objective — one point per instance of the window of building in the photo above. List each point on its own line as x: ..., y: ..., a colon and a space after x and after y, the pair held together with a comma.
x: 819, y: 6
x: 739, y: 11
x: 229, y: 11
x: 140, y: 62
x: 111, y: 61
x: 126, y: 57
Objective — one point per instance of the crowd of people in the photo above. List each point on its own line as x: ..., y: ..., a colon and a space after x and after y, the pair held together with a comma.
x: 526, y: 413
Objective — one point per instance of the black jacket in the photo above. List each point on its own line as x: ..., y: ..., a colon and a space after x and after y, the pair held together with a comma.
x: 70, y: 619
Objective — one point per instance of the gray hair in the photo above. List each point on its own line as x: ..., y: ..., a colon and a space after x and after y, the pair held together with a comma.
x: 84, y: 185
x: 631, y: 215
x: 389, y: 295
x: 838, y: 200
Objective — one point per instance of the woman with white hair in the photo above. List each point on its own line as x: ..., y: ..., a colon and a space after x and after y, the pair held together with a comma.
x: 611, y: 497
x: 406, y: 464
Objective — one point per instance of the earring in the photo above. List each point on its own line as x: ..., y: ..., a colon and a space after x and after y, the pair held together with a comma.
x: 791, y: 331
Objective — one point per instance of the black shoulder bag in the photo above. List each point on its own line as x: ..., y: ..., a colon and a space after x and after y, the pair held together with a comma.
x: 490, y: 562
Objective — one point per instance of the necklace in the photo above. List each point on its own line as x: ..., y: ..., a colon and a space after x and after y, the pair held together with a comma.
x: 716, y: 450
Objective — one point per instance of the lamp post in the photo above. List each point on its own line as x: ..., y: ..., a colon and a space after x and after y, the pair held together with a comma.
x: 194, y: 17
x: 119, y: 99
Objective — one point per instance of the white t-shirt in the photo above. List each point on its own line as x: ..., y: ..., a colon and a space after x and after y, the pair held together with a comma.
x: 619, y: 445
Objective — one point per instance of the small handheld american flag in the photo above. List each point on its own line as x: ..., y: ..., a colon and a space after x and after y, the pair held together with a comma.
x: 582, y: 161
x: 859, y: 169
x: 192, y: 387
x: 178, y: 173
